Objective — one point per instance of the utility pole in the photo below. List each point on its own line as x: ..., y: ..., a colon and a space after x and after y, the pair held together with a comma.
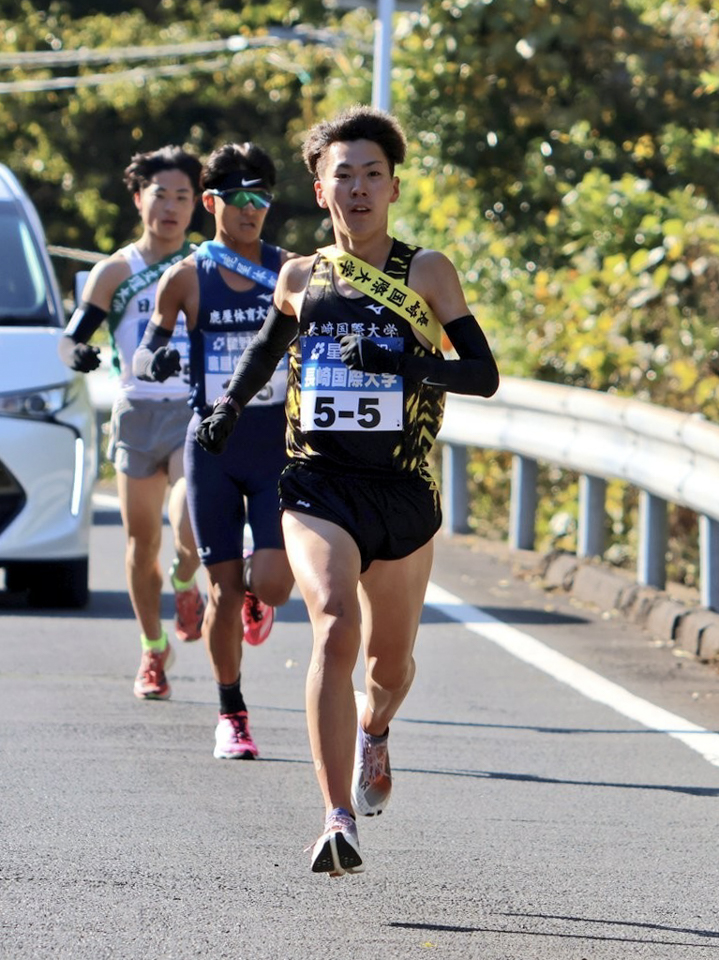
x: 382, y: 65
x: 382, y: 58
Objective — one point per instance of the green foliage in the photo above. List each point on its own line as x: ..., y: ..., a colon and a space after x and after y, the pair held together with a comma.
x: 69, y: 147
x: 563, y: 155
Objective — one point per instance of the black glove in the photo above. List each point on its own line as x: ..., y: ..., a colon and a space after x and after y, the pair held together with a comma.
x: 165, y: 363
x: 362, y: 353
x: 214, y: 431
x: 84, y: 358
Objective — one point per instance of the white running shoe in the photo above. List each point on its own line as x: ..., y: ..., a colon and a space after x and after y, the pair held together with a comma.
x: 337, y: 850
x: 371, y: 776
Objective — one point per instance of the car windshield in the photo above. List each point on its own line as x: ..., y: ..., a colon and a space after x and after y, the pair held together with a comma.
x: 24, y: 294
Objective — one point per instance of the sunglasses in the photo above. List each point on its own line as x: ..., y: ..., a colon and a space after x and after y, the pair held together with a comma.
x: 260, y: 199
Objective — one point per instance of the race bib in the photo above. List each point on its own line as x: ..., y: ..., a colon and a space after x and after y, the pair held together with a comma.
x: 333, y: 397
x: 222, y: 351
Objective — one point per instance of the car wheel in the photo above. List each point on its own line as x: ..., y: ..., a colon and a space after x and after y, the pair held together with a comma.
x: 60, y: 584
x: 15, y: 582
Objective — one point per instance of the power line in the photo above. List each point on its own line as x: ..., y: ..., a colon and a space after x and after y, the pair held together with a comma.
x: 277, y: 37
x: 233, y: 44
x: 69, y: 58
x: 138, y: 75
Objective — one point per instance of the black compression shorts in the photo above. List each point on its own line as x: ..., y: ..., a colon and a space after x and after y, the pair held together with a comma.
x: 239, y: 485
x: 387, y: 517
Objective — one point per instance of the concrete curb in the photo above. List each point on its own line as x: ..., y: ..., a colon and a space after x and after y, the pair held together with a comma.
x: 692, y: 628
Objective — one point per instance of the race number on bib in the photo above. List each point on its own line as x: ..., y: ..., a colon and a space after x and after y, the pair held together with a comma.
x: 222, y: 351
x: 336, y: 398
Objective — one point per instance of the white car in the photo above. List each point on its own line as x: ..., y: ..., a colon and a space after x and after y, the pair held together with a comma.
x: 48, y: 451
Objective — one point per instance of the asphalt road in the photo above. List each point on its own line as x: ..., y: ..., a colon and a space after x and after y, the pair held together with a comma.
x: 539, y: 812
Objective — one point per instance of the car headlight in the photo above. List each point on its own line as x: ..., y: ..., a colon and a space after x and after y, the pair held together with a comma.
x: 40, y: 403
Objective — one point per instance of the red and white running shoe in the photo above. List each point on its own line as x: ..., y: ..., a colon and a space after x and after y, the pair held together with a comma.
x: 151, y: 681
x: 257, y: 619
x: 189, y: 610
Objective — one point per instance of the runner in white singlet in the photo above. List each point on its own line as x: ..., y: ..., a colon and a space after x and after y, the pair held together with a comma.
x: 149, y: 420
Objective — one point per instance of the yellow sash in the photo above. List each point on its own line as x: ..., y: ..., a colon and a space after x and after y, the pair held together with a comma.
x: 389, y: 291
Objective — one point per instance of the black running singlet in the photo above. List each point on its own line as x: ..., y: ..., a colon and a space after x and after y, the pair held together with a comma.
x: 347, y: 420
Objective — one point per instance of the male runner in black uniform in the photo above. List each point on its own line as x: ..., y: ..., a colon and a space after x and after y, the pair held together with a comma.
x: 364, y: 405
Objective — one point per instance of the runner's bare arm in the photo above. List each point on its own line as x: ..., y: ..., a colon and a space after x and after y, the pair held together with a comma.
x: 291, y: 283
x: 286, y: 255
x: 435, y: 278
x: 104, y: 279
x: 178, y: 290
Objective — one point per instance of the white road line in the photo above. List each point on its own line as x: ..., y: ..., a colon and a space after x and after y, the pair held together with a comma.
x: 105, y: 501
x: 590, y: 684
x: 579, y: 678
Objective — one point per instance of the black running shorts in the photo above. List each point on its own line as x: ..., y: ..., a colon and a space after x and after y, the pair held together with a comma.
x: 387, y: 517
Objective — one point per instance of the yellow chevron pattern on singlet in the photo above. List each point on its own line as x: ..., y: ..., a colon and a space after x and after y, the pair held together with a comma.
x: 326, y: 314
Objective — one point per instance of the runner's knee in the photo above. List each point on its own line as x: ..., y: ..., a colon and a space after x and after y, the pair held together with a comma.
x: 391, y: 676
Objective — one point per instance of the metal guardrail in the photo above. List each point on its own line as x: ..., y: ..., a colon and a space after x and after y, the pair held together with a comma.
x: 73, y: 253
x: 670, y: 457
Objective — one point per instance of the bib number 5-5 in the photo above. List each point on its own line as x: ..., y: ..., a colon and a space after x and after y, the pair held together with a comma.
x: 367, y: 415
x: 334, y: 397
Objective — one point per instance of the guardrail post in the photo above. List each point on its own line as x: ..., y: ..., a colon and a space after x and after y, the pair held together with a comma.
x: 651, y: 560
x: 523, y: 503
x: 590, y: 531
x: 455, y: 499
x: 709, y: 562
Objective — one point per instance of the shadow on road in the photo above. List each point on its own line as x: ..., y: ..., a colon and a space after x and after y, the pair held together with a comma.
x: 514, y: 615
x: 604, y: 938
x: 534, y: 778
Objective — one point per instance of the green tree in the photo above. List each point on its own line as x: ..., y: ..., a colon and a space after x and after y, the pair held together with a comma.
x: 69, y: 146
x: 562, y: 154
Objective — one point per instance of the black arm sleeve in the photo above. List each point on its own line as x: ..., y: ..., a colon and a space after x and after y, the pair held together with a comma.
x: 86, y: 319
x: 260, y: 359
x: 154, y: 338
x: 475, y: 373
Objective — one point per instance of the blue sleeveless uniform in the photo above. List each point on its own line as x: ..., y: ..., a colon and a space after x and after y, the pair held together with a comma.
x: 242, y: 482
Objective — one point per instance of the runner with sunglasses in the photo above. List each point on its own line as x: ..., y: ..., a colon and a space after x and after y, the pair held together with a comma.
x: 225, y: 290
x: 149, y: 420
x: 259, y: 199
